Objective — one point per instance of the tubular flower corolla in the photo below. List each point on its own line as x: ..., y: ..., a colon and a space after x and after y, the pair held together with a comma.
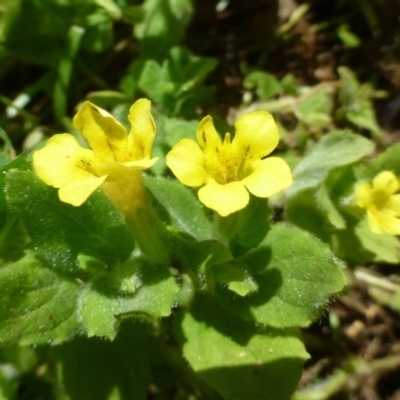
x: 113, y: 163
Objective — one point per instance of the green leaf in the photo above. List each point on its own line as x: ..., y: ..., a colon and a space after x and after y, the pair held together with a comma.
x: 103, y: 306
x: 357, y: 106
x: 236, y: 276
x: 7, y: 152
x: 19, y: 162
x: 92, y: 369
x: 163, y: 26
x: 308, y: 212
x: 266, y: 85
x: 187, y: 68
x: 384, y: 247
x: 36, y: 305
x: 348, y: 38
x: 60, y: 231
x: 107, y: 98
x: 153, y: 81
x: 39, y: 305
x: 246, y: 228
x: 65, y: 70
x: 388, y: 160
x: 316, y: 119
x: 296, y: 275
x: 334, y: 150
x: 289, y: 84
x: 333, y: 214
x: 110, y: 7
x: 176, y: 129
x: 319, y: 102
x: 174, y: 84
x: 45, y: 43
x: 390, y: 299
x: 245, y: 362
x: 179, y: 208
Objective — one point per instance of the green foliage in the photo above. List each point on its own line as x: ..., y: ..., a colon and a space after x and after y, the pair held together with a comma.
x: 162, y: 26
x: 287, y: 267
x: 179, y: 207
x: 59, y: 232
x: 245, y: 362
x: 174, y: 83
x: 325, y: 180
x: 174, y: 302
x: 356, y: 105
x: 81, y: 276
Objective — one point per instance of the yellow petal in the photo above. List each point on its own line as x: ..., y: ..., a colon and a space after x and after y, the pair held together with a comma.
x: 142, y: 164
x: 112, y: 166
x: 62, y: 161
x: 363, y: 195
x: 143, y: 130
x: 386, y: 182
x: 105, y: 135
x: 256, y: 135
x: 207, y: 137
x: 224, y: 199
x: 373, y: 221
x: 269, y: 177
x: 76, y: 192
x: 392, y: 205
x: 186, y: 161
x: 387, y: 223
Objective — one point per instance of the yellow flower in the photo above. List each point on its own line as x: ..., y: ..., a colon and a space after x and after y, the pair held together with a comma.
x: 381, y: 203
x: 113, y: 163
x: 230, y: 170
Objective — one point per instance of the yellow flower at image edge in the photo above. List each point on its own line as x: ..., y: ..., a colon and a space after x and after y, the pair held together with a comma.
x: 381, y: 203
x: 229, y: 170
x: 113, y: 163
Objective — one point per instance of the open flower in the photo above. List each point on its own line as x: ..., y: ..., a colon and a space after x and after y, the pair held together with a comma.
x: 113, y: 163
x: 381, y: 203
x: 230, y: 170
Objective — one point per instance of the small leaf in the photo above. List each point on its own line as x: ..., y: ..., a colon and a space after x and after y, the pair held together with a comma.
x: 333, y: 214
x: 334, y: 150
x: 179, y: 206
x: 237, y: 277
x: 93, y: 369
x: 357, y: 106
x: 176, y: 129
x: 348, y: 38
x: 246, y: 228
x: 388, y: 160
x: 319, y: 102
x: 152, y: 81
x: 59, y: 231
x: 163, y: 25
x: 384, y: 247
x: 102, y: 307
x: 110, y: 7
x: 289, y: 84
x: 296, y: 275
x: 266, y: 84
x: 36, y: 304
x: 245, y: 362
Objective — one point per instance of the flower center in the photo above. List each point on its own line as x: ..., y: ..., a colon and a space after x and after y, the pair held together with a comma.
x: 226, y: 165
x: 379, y: 198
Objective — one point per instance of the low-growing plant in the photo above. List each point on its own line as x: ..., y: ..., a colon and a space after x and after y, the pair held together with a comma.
x: 144, y: 263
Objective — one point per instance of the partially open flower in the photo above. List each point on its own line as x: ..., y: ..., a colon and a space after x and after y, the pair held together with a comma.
x: 381, y: 203
x: 230, y: 170
x: 113, y: 163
